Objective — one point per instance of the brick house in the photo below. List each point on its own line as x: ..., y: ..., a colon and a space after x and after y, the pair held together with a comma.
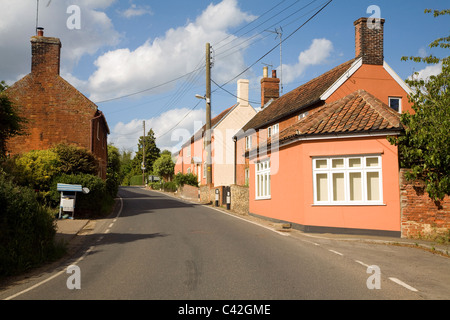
x: 192, y: 155
x: 318, y: 158
x: 56, y: 112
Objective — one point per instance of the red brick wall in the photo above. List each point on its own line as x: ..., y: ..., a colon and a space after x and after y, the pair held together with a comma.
x: 421, y: 216
x: 55, y: 111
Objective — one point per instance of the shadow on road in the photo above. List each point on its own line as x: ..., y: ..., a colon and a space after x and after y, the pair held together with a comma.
x: 139, y: 201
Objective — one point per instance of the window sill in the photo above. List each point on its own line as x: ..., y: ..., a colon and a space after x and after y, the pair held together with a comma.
x: 348, y: 204
x: 263, y: 198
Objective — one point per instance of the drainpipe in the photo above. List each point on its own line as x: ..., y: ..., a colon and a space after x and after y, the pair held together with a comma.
x: 91, y: 147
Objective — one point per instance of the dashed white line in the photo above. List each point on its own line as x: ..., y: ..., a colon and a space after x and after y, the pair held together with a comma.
x: 338, y: 253
x: 407, y: 286
x: 362, y: 263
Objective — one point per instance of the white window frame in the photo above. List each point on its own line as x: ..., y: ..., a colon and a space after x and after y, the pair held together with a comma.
x: 205, y: 169
x: 364, y: 169
x: 273, y: 130
x: 248, y: 142
x: 399, y: 103
x: 262, y: 180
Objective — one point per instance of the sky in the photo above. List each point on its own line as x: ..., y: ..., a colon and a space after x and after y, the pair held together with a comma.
x: 144, y: 61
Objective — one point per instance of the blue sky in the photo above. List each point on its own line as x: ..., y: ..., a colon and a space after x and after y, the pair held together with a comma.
x: 129, y: 46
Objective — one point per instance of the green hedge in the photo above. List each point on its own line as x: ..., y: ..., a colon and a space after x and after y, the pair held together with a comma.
x: 188, y: 178
x: 136, y: 180
x: 27, y: 230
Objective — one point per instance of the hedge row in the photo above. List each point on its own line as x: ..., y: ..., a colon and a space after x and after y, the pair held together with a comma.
x: 27, y: 230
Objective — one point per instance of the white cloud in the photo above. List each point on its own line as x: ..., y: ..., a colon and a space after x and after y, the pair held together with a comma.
x: 135, y: 11
x: 178, y: 52
x: 428, y: 71
x: 170, y: 133
x: 316, y: 54
x: 17, y: 25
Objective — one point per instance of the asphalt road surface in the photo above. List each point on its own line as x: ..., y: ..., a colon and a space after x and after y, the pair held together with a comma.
x: 158, y: 247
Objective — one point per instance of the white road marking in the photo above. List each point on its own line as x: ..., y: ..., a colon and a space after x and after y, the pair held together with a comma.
x: 362, y: 263
x: 335, y: 252
x: 407, y: 286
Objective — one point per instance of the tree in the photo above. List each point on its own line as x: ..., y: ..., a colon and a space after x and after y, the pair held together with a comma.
x: 11, y: 124
x: 152, y: 153
x: 113, y: 171
x: 75, y: 160
x: 425, y: 147
x: 164, y: 166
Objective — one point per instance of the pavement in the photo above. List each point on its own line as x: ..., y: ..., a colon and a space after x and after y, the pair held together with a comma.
x: 69, y: 229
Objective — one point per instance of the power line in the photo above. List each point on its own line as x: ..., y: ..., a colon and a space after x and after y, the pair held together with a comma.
x: 221, y: 87
x: 248, y: 24
x: 148, y: 89
x: 178, y: 121
x: 275, y: 47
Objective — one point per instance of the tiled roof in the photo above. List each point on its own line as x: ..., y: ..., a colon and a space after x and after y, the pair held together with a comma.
x: 299, y: 98
x: 359, y: 112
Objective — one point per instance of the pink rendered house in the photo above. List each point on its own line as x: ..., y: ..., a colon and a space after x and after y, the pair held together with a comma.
x: 318, y: 158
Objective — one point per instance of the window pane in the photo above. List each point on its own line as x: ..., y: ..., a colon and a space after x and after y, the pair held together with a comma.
x: 373, y: 186
x: 354, y: 162
x: 322, y: 187
x: 355, y: 186
x: 321, y: 164
x: 372, y: 162
x: 258, y: 186
x: 337, y: 163
x: 338, y: 187
x: 394, y: 103
x: 265, y: 184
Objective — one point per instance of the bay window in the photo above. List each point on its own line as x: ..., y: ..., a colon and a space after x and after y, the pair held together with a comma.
x: 350, y: 180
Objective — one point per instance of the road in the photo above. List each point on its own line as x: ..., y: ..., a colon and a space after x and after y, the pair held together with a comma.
x: 158, y: 247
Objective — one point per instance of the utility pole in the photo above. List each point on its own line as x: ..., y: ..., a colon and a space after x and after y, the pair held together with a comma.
x: 208, y: 115
x: 143, y: 155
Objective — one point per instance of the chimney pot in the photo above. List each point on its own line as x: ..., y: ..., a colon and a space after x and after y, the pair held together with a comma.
x: 265, y: 72
x: 40, y: 31
x: 274, y: 73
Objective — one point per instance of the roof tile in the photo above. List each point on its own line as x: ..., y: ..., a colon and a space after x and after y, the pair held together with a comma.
x: 298, y: 98
x: 357, y: 112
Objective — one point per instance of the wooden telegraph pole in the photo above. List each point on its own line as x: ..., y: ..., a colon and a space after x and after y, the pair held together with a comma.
x: 208, y: 115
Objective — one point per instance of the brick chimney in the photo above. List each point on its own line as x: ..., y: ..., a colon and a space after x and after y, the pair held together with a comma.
x: 369, y: 40
x: 270, y: 87
x: 45, y: 54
